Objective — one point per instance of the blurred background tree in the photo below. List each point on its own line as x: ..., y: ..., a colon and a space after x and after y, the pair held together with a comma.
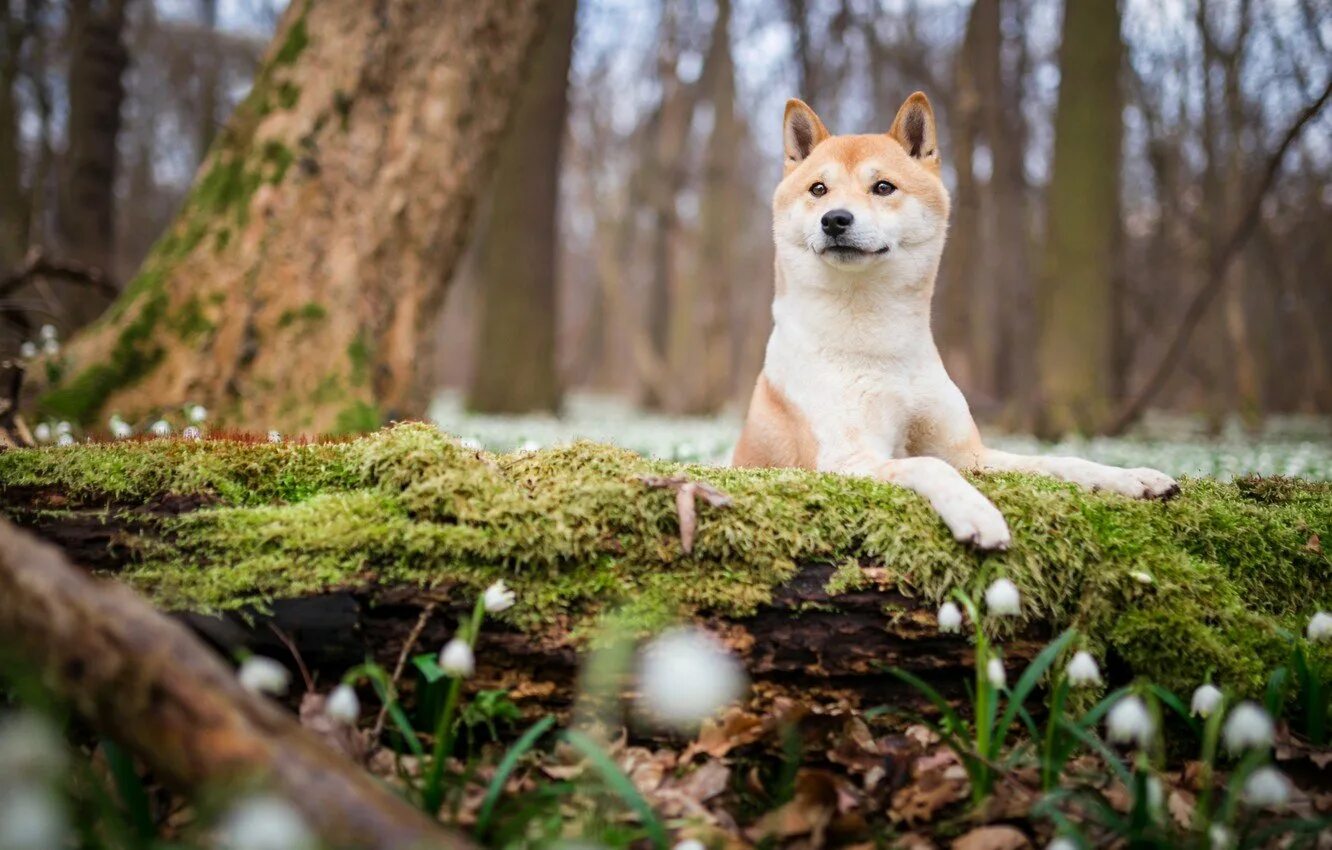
x: 1179, y: 237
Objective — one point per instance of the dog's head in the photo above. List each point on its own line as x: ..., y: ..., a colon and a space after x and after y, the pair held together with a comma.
x: 863, y: 203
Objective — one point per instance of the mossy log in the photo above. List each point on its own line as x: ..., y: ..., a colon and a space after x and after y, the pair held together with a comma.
x: 137, y: 677
x: 816, y: 579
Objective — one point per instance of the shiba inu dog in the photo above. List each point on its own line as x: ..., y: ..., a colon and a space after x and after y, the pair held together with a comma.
x: 852, y: 381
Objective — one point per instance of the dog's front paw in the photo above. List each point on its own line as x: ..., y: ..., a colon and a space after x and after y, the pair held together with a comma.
x: 973, y: 520
x: 1153, y: 483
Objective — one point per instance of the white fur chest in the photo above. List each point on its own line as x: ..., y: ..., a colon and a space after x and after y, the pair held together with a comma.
x: 859, y: 364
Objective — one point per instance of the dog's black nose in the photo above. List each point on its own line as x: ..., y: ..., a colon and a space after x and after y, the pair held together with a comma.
x: 835, y: 222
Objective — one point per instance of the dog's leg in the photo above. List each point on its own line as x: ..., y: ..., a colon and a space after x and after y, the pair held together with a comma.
x: 970, y: 516
x: 1139, y: 483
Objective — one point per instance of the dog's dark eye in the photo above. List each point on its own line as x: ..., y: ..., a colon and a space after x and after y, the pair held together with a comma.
x: 883, y: 187
x: 818, y: 190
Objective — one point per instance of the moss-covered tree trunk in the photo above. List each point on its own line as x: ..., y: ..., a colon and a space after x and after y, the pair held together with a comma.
x: 517, y: 370
x: 1080, y: 274
x: 323, y: 227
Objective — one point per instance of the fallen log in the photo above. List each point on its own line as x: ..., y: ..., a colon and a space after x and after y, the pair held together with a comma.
x: 818, y: 581
x: 141, y: 679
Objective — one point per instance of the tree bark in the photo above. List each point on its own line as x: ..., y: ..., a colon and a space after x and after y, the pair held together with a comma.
x: 146, y: 682
x: 1083, y: 236
x: 98, y: 60
x: 13, y: 218
x: 517, y: 368
x: 322, y: 230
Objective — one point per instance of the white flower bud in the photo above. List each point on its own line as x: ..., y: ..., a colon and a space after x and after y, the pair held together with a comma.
x: 498, y: 598
x: 274, y: 436
x: 32, y: 747
x: 1249, y: 727
x: 1320, y: 627
x: 994, y: 671
x: 1220, y: 838
x: 198, y: 413
x: 1002, y: 598
x: 1142, y: 578
x: 265, y: 823
x: 161, y: 428
x: 42, y: 432
x: 950, y: 618
x: 1062, y: 843
x: 690, y: 844
x: 191, y: 432
x: 1266, y: 786
x: 48, y: 332
x: 343, y: 705
x: 28, y: 350
x: 686, y: 675
x: 31, y: 818
x: 456, y: 658
x: 1129, y: 722
x: 1082, y: 670
x: 63, y: 427
x: 65, y: 440
x: 262, y: 675
x: 1206, y: 699
x: 51, y: 347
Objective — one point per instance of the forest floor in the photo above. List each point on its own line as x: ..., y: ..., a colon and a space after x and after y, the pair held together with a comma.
x: 1299, y: 446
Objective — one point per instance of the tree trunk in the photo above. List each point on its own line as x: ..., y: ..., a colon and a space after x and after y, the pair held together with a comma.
x: 320, y: 235
x: 98, y: 60
x: 1083, y: 234
x: 13, y: 220
x: 517, y: 369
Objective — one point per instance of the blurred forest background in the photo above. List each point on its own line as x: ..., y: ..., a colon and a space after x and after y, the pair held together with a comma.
x: 1155, y: 174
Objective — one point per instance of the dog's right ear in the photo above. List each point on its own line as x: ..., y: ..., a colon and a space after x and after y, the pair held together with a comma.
x: 801, y: 131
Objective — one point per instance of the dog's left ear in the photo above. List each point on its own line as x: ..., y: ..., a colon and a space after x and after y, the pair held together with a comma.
x: 914, y: 129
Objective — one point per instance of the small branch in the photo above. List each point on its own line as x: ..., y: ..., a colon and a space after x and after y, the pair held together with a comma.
x: 38, y: 265
x: 13, y: 431
x: 144, y: 680
x: 1218, y: 265
x: 686, y: 491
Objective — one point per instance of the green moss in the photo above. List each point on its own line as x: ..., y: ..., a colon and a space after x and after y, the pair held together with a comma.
x: 277, y: 159
x: 288, y: 94
x: 358, y: 352
x: 578, y: 535
x: 309, y: 312
x: 298, y: 38
x: 189, y: 323
x: 358, y: 418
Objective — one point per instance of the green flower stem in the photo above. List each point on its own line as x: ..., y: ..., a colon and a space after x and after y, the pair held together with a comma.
x: 433, y: 797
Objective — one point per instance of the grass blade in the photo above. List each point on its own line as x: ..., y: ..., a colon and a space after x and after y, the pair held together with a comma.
x: 621, y: 784
x: 511, y: 758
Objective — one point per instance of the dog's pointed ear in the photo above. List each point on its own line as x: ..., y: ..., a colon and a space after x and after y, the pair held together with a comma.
x: 801, y: 131
x: 915, y: 131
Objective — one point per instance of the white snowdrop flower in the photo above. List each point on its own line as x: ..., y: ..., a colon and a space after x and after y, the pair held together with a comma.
x: 1002, y: 598
x: 42, y: 433
x: 191, y: 432
x: 120, y: 429
x: 48, y: 332
x: 265, y: 823
x: 1249, y: 727
x: 529, y: 446
x: 950, y: 618
x: 1062, y: 843
x: 1141, y: 578
x: 274, y: 436
x: 456, y: 658
x: 51, y: 347
x: 28, y: 350
x: 65, y: 440
x: 1130, y: 722
x: 498, y: 598
x: 1320, y: 627
x: 63, y: 427
x: 690, y: 844
x: 1082, y: 670
x: 197, y: 413
x: 31, y: 818
x: 686, y: 675
x: 162, y: 428
x: 1266, y: 786
x: 1220, y: 838
x: 31, y: 746
x: 472, y: 444
x: 1206, y: 699
x: 994, y: 671
x: 1155, y: 794
x: 262, y: 675
x: 343, y: 705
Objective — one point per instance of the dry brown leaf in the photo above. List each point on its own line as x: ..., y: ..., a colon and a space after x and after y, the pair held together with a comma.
x: 810, y: 811
x: 922, y: 735
x: 1180, y: 804
x: 348, y: 740
x: 919, y: 801
x: 716, y: 738
x: 709, y: 780
x: 992, y: 838
x: 913, y: 841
